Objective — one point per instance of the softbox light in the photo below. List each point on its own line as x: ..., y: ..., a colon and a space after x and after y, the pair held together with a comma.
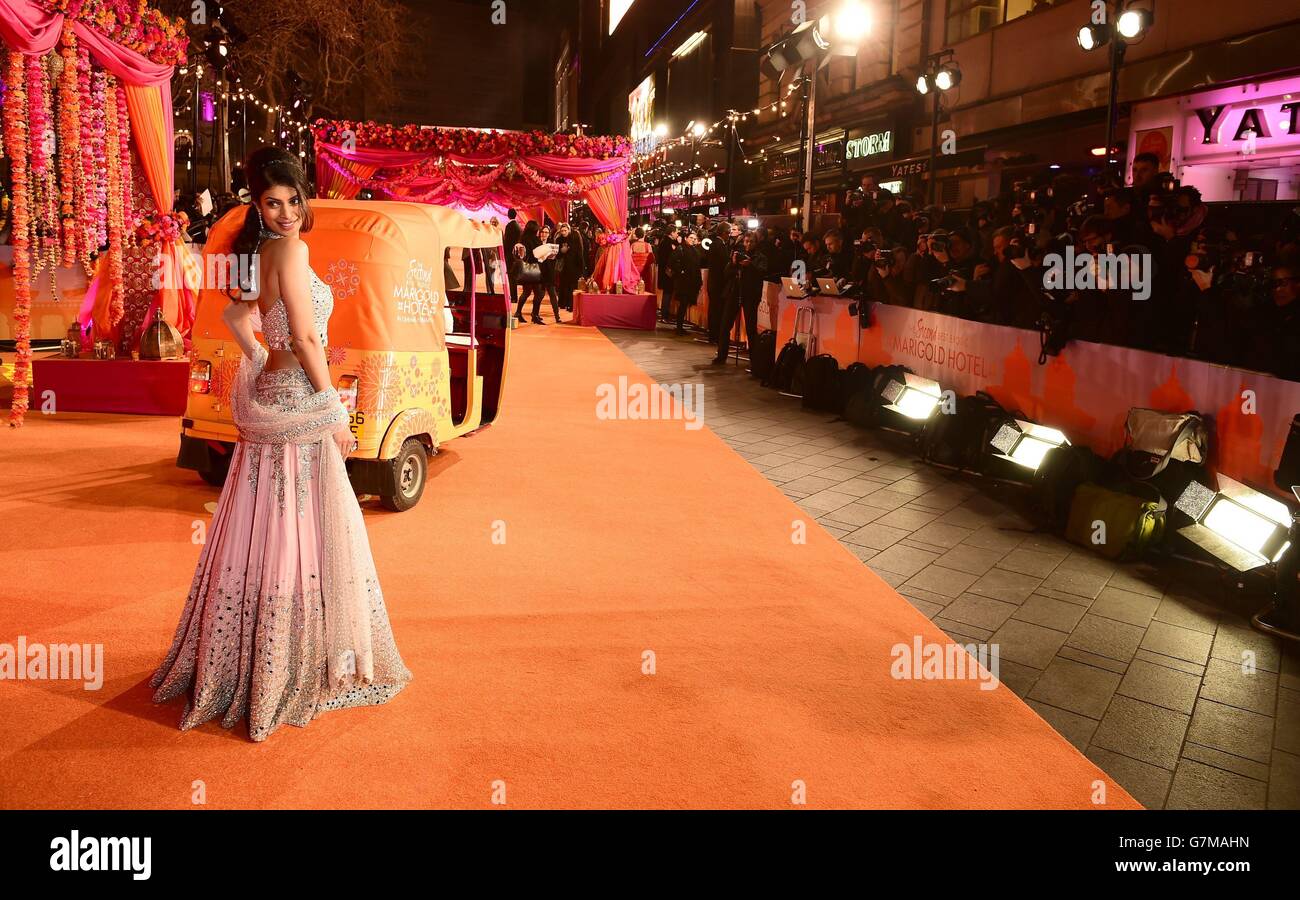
x: 1236, y: 524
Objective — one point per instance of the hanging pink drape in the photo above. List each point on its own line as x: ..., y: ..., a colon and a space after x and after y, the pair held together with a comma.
x: 534, y: 185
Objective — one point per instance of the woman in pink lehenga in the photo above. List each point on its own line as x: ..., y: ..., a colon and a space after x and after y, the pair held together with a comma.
x: 284, y: 619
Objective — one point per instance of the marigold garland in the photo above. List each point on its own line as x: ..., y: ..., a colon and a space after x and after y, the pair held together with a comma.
x: 124, y: 153
x: 112, y: 139
x: 470, y: 142
x: 40, y: 140
x: 70, y: 171
x: 94, y: 201
x: 130, y: 23
x: 15, y: 128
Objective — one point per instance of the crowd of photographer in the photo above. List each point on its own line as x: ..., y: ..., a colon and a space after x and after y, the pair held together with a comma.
x: 1042, y: 256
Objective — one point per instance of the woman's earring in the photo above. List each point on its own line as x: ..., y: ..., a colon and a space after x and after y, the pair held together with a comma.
x: 261, y: 226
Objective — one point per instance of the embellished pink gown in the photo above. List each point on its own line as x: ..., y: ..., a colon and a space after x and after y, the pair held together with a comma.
x: 284, y: 619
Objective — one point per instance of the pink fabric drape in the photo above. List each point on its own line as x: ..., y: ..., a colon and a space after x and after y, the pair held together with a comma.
x: 608, y: 202
x: 470, y: 181
x: 34, y: 31
x: 29, y: 29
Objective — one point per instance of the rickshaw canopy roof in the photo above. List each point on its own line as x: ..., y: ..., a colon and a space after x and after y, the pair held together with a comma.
x: 383, y: 261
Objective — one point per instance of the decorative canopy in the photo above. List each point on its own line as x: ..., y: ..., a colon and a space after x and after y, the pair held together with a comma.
x: 471, y: 168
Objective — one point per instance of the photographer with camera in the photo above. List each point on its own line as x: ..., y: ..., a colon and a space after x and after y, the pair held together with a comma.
x: 746, y: 270
x: 964, y: 287
x: 1017, y: 298
x: 881, y: 271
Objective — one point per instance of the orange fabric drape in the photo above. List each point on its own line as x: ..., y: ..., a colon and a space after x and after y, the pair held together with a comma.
x: 181, y: 276
x: 338, y: 186
x: 557, y: 209
x: 608, y: 203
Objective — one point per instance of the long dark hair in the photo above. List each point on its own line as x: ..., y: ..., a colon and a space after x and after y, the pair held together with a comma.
x: 264, y: 173
x: 532, y: 234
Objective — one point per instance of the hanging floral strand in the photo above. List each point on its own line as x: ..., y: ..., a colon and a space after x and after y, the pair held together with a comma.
x: 70, y: 171
x: 94, y: 169
x: 124, y: 153
x: 41, y: 184
x: 15, y: 130
x: 115, y: 190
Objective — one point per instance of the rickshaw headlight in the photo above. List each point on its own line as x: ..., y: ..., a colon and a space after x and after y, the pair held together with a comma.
x: 348, y: 392
x: 200, y: 377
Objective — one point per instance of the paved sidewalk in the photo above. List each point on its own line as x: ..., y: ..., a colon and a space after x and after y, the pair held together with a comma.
x: 1140, y: 666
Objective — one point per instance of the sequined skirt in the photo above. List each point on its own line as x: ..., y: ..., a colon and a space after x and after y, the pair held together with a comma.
x: 251, y: 639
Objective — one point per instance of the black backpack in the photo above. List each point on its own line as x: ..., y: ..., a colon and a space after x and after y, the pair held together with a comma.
x: 1057, y: 477
x: 855, y: 378
x: 958, y: 439
x: 787, y: 365
x: 821, y: 377
x: 762, y: 356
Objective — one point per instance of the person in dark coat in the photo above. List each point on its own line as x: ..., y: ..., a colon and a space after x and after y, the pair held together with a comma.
x: 529, y: 241
x: 746, y: 268
x: 716, y: 259
x: 578, y: 252
x: 684, y: 268
x: 664, y: 251
x: 550, y: 273
x: 509, y: 238
x: 568, y: 263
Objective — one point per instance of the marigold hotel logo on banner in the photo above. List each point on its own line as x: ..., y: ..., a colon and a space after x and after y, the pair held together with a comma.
x: 932, y: 341
x: 417, y: 301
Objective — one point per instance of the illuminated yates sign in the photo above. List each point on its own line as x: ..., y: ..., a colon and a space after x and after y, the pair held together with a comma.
x: 1261, y: 119
x: 869, y: 145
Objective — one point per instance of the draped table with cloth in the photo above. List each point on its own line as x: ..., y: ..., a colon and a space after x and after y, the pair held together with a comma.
x: 615, y: 310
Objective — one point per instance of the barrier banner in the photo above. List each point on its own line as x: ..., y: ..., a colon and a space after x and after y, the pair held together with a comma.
x: 1086, y: 391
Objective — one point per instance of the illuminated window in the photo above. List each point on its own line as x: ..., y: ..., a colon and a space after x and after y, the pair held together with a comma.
x: 617, y: 9
x: 967, y: 18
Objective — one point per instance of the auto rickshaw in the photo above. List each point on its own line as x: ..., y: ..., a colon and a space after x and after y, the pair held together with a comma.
x: 417, y: 348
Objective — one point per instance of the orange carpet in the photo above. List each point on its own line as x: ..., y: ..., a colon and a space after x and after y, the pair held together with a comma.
x: 621, y: 537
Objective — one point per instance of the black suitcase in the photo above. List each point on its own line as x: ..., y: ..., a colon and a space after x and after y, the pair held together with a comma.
x: 821, y: 377
x: 763, y: 355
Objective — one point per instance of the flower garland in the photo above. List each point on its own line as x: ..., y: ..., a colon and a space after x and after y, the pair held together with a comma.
x: 610, y: 238
x: 15, y: 128
x: 70, y: 170
x: 40, y: 140
x: 160, y: 228
x: 130, y: 23
x: 470, y: 142
x: 112, y: 135
x: 123, y: 149
x: 94, y: 201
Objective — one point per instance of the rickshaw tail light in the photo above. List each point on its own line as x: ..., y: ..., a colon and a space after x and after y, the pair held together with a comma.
x: 348, y: 392
x: 200, y: 377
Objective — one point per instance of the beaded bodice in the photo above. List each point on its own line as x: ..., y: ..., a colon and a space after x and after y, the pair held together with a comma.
x: 275, y: 321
